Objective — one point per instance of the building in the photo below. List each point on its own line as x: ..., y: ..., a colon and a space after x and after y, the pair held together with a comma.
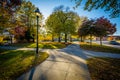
x: 109, y: 37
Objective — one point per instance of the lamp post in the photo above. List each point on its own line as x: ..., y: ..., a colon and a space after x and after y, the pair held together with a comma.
x: 37, y: 13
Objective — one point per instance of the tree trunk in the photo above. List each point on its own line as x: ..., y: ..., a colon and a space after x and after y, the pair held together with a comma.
x: 81, y: 38
x: 33, y: 39
x: 101, y: 41
x: 28, y: 22
x: 59, y: 40
x: 70, y: 39
x: 11, y: 40
x: 52, y: 38
x: 33, y: 35
x: 65, y: 38
x: 91, y: 40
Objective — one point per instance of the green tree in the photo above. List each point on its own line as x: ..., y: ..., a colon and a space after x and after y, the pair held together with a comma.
x: 26, y: 13
x: 60, y: 17
x: 51, y: 24
x: 68, y: 20
x: 71, y: 24
x: 63, y: 21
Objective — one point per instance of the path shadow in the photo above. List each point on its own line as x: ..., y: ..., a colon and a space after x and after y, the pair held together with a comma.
x: 32, y: 71
x: 74, y: 49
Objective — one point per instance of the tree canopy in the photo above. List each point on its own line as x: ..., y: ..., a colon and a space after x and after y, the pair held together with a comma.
x: 27, y: 17
x: 63, y: 21
x: 7, y: 10
x: 18, y: 14
x: 111, y: 6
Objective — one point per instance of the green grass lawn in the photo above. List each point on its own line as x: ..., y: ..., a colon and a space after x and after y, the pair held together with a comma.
x: 97, y: 47
x: 44, y: 45
x: 13, y: 63
x: 104, y: 68
x: 2, y: 50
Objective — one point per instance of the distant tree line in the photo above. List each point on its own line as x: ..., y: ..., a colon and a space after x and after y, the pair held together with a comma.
x: 19, y: 16
x: 65, y: 22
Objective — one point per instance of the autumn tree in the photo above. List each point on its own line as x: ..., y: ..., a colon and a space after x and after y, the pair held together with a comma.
x: 81, y: 32
x: 100, y: 27
x: 104, y: 27
x: 26, y: 15
x: 7, y: 10
x: 87, y: 29
x: 19, y: 33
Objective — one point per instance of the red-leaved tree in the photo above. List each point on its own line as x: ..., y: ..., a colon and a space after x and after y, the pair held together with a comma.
x: 20, y: 32
x: 104, y: 27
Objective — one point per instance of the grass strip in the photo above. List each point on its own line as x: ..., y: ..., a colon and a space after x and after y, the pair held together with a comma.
x: 13, y: 63
x: 44, y: 45
x: 104, y: 68
x: 99, y: 48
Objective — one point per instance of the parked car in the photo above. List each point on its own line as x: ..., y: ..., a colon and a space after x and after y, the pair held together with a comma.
x: 114, y: 43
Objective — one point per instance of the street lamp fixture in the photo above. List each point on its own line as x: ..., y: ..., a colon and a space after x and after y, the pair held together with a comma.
x: 37, y: 13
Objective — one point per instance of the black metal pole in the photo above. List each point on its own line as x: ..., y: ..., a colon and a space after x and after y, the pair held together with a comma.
x: 37, y: 35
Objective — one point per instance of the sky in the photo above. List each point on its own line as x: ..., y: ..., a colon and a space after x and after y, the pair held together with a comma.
x: 46, y: 8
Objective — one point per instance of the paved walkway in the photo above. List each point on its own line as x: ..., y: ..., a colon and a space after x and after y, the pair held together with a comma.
x: 63, y: 64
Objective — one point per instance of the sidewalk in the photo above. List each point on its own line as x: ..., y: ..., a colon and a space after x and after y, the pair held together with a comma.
x: 63, y: 64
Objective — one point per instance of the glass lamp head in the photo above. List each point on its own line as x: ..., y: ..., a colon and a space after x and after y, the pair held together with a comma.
x: 37, y: 11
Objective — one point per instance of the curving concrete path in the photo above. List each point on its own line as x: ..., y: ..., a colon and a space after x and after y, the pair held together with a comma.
x: 63, y: 64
